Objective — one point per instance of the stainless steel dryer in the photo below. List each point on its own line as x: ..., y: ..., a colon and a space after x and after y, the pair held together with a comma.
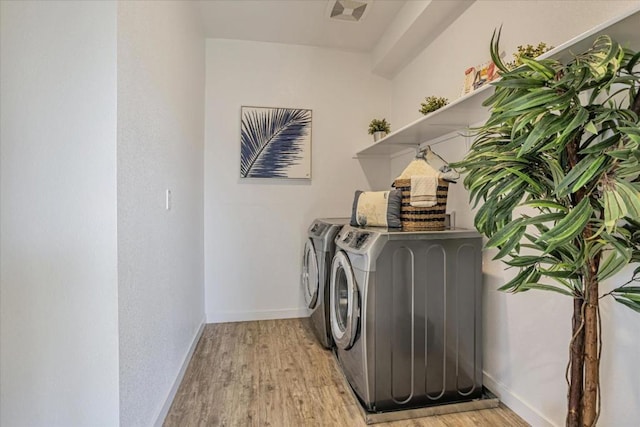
x: 316, y: 268
x: 406, y: 316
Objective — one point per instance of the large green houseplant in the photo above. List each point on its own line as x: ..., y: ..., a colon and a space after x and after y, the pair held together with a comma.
x: 561, y: 147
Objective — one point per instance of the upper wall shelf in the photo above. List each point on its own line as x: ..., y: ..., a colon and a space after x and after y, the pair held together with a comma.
x: 455, y: 116
x: 467, y: 110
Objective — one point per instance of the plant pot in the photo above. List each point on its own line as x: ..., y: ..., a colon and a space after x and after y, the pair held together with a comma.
x: 377, y: 136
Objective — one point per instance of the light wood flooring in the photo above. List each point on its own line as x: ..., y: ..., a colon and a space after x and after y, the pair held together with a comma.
x: 274, y: 373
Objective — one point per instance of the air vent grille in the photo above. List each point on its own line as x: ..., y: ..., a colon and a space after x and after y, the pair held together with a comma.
x: 348, y: 10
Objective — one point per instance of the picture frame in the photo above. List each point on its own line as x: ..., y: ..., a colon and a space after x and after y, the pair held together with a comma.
x: 275, y: 142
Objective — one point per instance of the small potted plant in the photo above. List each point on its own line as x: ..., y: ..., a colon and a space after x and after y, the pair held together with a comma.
x: 432, y: 103
x: 530, y: 51
x: 379, y: 128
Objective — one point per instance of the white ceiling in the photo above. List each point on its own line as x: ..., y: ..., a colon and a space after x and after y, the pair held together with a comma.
x: 303, y: 22
x: 393, y: 32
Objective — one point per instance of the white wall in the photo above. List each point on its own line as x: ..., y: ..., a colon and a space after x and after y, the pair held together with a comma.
x: 58, y: 274
x: 439, y: 69
x: 160, y: 252
x: 526, y: 336
x: 255, y: 229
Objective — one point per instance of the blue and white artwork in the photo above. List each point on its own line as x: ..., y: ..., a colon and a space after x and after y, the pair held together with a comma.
x: 275, y: 143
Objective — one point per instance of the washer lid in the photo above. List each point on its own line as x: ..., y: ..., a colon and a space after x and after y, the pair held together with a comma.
x: 345, y: 304
x: 310, y: 279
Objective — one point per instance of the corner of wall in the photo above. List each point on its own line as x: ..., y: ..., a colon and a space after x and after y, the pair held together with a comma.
x: 164, y: 410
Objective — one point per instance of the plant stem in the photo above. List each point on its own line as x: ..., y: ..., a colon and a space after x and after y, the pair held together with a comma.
x: 635, y: 107
x: 619, y: 287
x: 587, y: 380
x: 591, y: 353
x: 575, y: 415
x: 576, y: 357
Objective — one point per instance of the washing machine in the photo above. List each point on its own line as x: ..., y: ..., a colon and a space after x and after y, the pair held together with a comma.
x: 405, y: 311
x: 316, y: 265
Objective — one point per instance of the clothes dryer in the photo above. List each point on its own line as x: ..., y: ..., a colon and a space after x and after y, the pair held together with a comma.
x: 406, y: 316
x: 316, y: 267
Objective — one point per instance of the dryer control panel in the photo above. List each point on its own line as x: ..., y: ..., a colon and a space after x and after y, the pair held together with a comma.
x: 317, y: 228
x: 362, y: 245
x: 360, y: 241
x: 356, y: 239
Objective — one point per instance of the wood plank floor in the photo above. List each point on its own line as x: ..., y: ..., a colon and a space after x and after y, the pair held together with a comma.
x: 274, y: 373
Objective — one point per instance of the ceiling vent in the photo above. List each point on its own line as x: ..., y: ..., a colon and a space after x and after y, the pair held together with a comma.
x: 348, y: 10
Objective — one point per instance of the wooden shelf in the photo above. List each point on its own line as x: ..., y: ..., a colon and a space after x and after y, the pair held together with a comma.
x: 467, y: 110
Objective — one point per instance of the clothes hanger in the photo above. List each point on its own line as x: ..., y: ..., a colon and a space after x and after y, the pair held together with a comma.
x: 421, y: 153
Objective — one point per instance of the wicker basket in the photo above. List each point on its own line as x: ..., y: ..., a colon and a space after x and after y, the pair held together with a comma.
x: 422, y: 219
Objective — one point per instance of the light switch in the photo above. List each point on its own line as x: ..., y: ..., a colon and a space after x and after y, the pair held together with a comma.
x: 168, y: 200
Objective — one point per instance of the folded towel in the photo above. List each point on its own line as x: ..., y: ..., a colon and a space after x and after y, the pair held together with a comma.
x: 417, y: 167
x: 423, y: 191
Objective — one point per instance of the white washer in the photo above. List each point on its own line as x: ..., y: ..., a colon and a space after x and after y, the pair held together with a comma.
x: 316, y: 265
x: 405, y: 313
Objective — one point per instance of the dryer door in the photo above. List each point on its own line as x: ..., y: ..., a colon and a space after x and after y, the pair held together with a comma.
x: 310, y: 275
x: 345, y: 305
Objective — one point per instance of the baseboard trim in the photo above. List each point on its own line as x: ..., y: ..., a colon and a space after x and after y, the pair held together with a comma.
x: 516, y: 403
x: 176, y: 384
x: 243, y: 316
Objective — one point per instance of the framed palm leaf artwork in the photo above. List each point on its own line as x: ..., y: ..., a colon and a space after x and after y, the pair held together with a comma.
x: 275, y: 143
